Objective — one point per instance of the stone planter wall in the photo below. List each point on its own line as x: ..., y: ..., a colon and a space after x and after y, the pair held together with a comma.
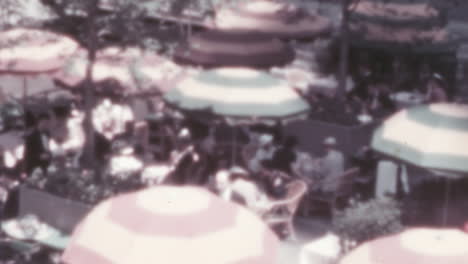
x: 58, y: 212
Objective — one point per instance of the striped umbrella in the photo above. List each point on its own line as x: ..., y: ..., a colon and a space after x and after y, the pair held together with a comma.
x: 168, y: 224
x: 30, y: 50
x: 396, y: 12
x: 29, y: 56
x: 419, y: 245
x: 216, y: 48
x: 272, y: 18
x: 432, y: 136
x: 135, y: 69
x: 399, y: 25
x: 239, y: 93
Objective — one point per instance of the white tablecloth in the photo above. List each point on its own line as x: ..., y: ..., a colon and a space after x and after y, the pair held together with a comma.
x: 406, y: 99
x: 324, y: 250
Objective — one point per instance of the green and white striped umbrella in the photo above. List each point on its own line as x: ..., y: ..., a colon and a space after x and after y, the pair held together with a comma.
x: 238, y: 93
x: 432, y: 136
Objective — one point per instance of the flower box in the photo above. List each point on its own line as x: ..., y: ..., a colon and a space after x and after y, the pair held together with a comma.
x: 58, y: 212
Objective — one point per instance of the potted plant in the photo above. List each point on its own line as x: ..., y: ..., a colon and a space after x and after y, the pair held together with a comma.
x: 363, y: 221
x: 63, y: 197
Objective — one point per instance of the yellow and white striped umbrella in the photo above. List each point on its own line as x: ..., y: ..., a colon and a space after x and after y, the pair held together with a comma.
x: 168, y: 224
x: 432, y: 136
x: 238, y: 93
x: 418, y: 245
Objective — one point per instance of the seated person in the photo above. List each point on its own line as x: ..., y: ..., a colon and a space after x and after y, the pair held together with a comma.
x: 36, y: 145
x: 378, y: 100
x: 264, y: 152
x: 123, y: 162
x: 221, y: 183
x: 331, y: 166
x: 305, y: 167
x: 245, y: 187
x: 234, y: 182
x: 284, y: 157
x: 110, y: 118
x: 67, y: 136
x: 184, y: 158
x: 274, y: 181
x: 435, y: 89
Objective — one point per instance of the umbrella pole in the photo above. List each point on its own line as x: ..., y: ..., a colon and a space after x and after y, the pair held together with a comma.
x: 234, y: 136
x: 25, y: 89
x: 446, y: 202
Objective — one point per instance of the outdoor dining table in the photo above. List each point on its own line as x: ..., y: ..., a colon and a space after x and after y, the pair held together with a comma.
x: 407, y: 99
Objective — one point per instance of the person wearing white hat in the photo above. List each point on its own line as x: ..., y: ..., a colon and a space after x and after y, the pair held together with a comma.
x: 331, y: 166
x: 330, y: 142
x: 184, y: 133
x: 264, y: 152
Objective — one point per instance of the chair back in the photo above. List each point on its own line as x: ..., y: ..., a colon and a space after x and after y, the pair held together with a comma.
x: 296, y: 190
x: 346, y: 181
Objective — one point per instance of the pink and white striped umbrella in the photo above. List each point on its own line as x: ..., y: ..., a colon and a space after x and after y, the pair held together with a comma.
x: 27, y: 59
x: 176, y: 225
x: 135, y: 69
x: 31, y: 50
x: 417, y: 245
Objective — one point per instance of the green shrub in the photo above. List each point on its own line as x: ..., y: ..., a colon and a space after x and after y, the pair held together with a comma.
x: 364, y: 221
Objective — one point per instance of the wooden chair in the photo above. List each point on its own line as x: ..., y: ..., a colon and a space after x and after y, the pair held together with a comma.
x: 344, y: 190
x: 283, y: 211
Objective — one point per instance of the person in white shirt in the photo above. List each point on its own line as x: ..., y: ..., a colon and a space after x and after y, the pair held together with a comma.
x: 331, y: 166
x: 233, y: 185
x: 221, y: 183
x: 75, y: 137
x: 124, y: 163
x: 110, y: 119
x: 305, y: 167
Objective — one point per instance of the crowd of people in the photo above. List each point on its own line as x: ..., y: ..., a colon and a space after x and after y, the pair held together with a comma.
x: 174, y: 148
x: 375, y: 87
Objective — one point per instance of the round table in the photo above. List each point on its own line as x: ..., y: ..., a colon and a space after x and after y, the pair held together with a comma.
x: 407, y: 99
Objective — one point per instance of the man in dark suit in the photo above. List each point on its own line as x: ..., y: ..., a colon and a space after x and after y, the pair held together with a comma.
x: 285, y: 156
x: 36, y: 153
